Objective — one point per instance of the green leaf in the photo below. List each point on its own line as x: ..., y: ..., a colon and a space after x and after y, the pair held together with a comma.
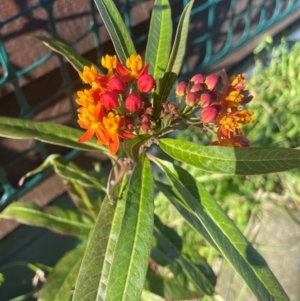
x: 181, y: 263
x: 77, y: 61
x: 229, y: 160
x: 132, y: 146
x: 47, y: 132
x: 115, y: 263
x: 101, y: 244
x: 63, y: 221
x: 116, y: 28
x: 159, y: 38
x: 230, y: 241
x: 67, y: 170
x: 128, y: 270
x: 61, y: 280
x: 177, y: 54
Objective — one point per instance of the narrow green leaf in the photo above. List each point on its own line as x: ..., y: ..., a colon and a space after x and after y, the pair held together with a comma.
x: 63, y: 221
x: 67, y: 170
x: 115, y: 263
x: 77, y: 61
x: 61, y: 280
x: 128, y: 269
x: 159, y: 38
x: 195, y: 276
x: 132, y: 146
x: 230, y: 241
x: 116, y: 28
x: 229, y: 160
x: 177, y: 54
x: 47, y: 132
x: 101, y: 245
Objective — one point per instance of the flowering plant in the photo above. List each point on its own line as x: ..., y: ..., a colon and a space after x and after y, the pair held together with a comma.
x: 128, y: 107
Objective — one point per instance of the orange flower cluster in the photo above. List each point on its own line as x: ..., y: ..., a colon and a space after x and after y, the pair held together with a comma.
x: 113, y: 108
x: 222, y: 107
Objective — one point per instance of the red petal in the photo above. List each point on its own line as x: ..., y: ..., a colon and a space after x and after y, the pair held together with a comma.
x: 144, y: 71
x: 126, y: 135
x: 121, y: 69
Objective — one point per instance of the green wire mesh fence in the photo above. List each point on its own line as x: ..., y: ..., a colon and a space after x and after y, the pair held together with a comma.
x: 218, y: 28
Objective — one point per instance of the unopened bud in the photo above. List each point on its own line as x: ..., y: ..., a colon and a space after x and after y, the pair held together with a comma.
x: 205, y: 100
x: 212, y: 81
x: 133, y: 102
x: 196, y: 88
x: 145, y: 83
x: 191, y: 99
x: 181, y: 89
x: 116, y: 84
x: 145, y: 127
x: 150, y: 111
x: 197, y: 79
x: 208, y: 114
x: 109, y: 100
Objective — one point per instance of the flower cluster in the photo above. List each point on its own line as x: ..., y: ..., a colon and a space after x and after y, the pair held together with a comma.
x: 222, y: 107
x: 120, y: 104
x: 117, y: 104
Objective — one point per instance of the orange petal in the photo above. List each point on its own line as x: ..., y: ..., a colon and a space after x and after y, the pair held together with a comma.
x: 114, y: 144
x: 86, y: 136
x: 102, y: 135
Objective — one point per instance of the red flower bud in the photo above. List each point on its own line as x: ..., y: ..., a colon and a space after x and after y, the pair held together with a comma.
x: 196, y: 88
x: 145, y: 83
x: 116, y: 84
x: 149, y: 111
x: 145, y: 118
x: 197, y: 79
x: 145, y: 127
x: 130, y: 126
x: 191, y: 99
x: 109, y: 100
x: 181, y: 89
x: 205, y: 100
x: 133, y: 102
x: 212, y: 81
x: 209, y: 114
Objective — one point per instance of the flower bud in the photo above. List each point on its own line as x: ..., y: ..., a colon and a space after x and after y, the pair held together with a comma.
x: 197, y: 79
x: 149, y: 111
x: 145, y: 83
x: 145, y: 118
x: 212, y: 81
x: 116, y: 84
x: 191, y: 99
x: 130, y: 126
x: 181, y: 89
x: 196, y: 88
x: 145, y: 127
x: 133, y: 102
x: 109, y: 100
x: 208, y: 114
x: 205, y: 99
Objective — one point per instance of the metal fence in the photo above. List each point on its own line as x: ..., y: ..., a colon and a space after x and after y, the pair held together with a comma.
x: 218, y: 28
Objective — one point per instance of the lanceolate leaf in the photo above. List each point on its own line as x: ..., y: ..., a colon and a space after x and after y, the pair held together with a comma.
x: 64, y: 221
x: 159, y: 38
x: 61, y: 280
x: 132, y: 146
x: 67, y: 170
x: 177, y: 54
x: 115, y: 263
x: 77, y: 61
x: 230, y: 241
x: 101, y: 245
x: 229, y: 160
x: 126, y: 277
x: 200, y: 281
x: 116, y: 28
x: 47, y: 132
